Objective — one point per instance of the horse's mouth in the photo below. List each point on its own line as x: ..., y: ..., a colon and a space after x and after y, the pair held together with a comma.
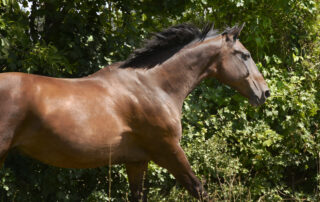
x: 256, y: 101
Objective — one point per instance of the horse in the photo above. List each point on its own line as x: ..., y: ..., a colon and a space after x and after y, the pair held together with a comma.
x: 129, y: 112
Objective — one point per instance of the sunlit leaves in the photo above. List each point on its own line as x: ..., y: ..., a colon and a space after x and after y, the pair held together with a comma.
x: 244, y: 153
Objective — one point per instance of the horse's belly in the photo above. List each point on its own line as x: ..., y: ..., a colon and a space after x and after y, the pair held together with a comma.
x: 81, y: 150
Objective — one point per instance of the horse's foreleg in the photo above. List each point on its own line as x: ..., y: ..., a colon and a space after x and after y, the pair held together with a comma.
x: 172, y: 157
x: 137, y: 173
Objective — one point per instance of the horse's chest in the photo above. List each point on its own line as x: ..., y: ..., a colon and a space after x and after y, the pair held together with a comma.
x: 156, y: 118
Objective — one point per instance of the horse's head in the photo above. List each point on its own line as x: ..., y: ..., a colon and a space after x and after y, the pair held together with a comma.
x: 237, y: 69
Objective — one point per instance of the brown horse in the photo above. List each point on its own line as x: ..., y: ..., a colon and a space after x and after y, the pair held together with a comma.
x: 128, y: 113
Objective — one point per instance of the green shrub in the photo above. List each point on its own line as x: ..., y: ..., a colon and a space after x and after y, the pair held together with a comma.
x: 242, y: 153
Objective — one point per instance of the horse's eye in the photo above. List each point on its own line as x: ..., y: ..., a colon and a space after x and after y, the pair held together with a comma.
x: 245, y: 56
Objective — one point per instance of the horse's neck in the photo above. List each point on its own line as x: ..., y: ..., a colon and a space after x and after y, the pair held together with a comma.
x: 179, y: 75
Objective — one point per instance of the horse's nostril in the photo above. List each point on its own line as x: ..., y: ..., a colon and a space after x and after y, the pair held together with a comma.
x: 267, y: 93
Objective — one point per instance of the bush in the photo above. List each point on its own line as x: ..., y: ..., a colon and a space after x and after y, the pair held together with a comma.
x: 242, y: 153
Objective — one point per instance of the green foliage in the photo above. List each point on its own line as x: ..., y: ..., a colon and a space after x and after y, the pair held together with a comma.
x: 270, y: 153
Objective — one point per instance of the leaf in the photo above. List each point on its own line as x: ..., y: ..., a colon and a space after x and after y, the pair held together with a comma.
x: 295, y: 58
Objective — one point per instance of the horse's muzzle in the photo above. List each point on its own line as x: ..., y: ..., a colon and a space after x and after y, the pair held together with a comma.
x: 256, y: 101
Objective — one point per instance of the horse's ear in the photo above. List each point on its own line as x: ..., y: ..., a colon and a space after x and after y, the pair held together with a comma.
x: 231, y: 35
x: 239, y: 30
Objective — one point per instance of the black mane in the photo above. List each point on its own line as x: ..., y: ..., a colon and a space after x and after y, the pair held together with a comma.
x: 164, y: 44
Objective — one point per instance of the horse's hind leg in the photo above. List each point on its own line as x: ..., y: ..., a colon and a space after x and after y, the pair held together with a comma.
x: 2, y: 158
x: 137, y: 173
x: 5, y: 142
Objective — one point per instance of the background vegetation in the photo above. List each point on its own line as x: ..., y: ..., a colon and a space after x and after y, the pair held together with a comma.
x: 243, y: 153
